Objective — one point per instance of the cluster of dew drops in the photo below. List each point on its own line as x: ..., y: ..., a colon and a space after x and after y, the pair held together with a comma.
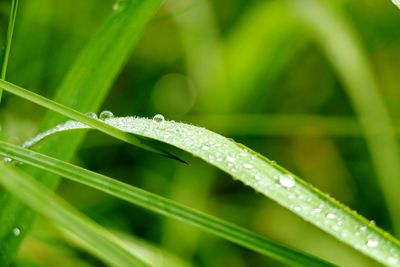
x: 106, y: 114
x: 288, y: 182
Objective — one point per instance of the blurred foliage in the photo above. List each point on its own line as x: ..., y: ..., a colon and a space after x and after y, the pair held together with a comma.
x: 245, y: 69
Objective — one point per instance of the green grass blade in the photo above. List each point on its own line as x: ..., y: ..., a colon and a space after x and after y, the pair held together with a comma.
x: 88, y: 120
x: 162, y: 206
x: 84, y: 89
x: 259, y: 53
x: 42, y: 200
x: 269, y: 179
x: 352, y: 65
x: 8, y: 41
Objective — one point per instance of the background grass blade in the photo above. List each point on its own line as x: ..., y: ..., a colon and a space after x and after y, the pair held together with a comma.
x: 162, y: 206
x: 271, y: 180
x: 84, y: 89
x: 98, y: 240
x: 8, y: 40
x: 347, y: 57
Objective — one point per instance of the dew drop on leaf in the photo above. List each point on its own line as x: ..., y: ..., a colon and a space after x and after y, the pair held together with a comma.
x: 91, y: 114
x: 158, y: 118
x: 205, y: 147
x: 106, y: 114
x: 7, y: 160
x: 317, y: 210
x: 372, y: 243
x: 230, y: 159
x: 118, y: 5
x: 330, y: 216
x: 286, y: 181
x: 16, y: 231
x: 247, y: 165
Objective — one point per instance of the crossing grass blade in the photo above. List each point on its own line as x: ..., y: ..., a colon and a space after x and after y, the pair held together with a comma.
x: 163, y: 206
x: 97, y: 240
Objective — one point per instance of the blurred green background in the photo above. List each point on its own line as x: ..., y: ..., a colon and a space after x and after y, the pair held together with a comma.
x: 255, y: 71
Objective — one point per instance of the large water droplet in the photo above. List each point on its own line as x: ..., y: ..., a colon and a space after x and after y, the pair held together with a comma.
x: 16, y: 231
x: 158, y: 118
x: 286, y: 181
x: 372, y: 243
x: 396, y: 3
x: 91, y: 114
x: 106, y: 114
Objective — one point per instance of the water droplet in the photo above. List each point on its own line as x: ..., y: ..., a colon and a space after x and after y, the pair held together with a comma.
x: 106, y: 114
x: 118, y: 5
x: 230, y: 159
x: 396, y: 3
x: 317, y: 210
x: 372, y: 243
x: 330, y: 216
x: 286, y: 180
x: 91, y: 114
x: 7, y: 160
x: 392, y: 260
x: 363, y: 228
x: 206, y: 148
x: 244, y: 153
x: 297, y: 208
x: 16, y: 231
x: 247, y: 165
x: 158, y: 118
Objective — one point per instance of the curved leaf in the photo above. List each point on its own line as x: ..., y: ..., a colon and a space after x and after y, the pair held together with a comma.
x: 264, y: 176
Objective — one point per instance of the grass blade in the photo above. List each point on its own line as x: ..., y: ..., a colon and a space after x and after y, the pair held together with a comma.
x: 162, y: 206
x: 88, y: 120
x: 8, y: 41
x: 42, y: 200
